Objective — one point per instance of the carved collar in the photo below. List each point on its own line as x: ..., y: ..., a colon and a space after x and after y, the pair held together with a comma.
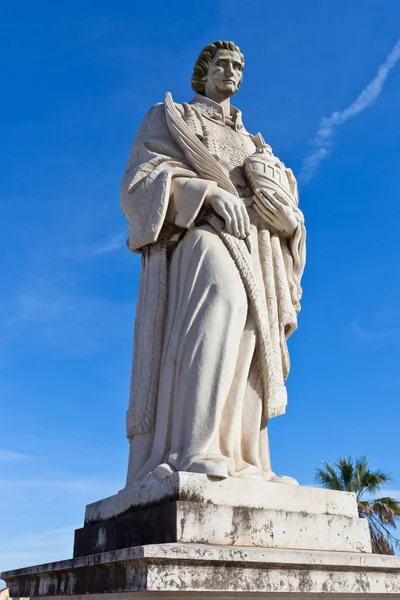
x: 214, y: 111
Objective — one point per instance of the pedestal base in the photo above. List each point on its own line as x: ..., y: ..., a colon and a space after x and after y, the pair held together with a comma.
x: 193, y: 487
x: 193, y: 508
x: 192, y: 522
x: 188, y: 571
x: 187, y: 536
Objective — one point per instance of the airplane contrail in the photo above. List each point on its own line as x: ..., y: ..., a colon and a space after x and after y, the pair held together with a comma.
x: 323, y: 141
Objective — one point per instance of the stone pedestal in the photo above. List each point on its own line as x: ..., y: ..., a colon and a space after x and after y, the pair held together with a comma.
x: 187, y: 536
x: 192, y: 508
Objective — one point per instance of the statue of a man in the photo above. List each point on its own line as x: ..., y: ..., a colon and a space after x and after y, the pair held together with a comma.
x: 214, y: 215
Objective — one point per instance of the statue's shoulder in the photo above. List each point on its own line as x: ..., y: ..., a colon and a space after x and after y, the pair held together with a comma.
x: 157, y: 111
x: 155, y: 116
x: 152, y: 125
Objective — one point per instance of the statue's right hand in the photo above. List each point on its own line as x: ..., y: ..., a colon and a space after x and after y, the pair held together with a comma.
x: 232, y: 209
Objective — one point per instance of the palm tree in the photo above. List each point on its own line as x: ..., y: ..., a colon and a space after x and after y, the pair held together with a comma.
x: 348, y: 475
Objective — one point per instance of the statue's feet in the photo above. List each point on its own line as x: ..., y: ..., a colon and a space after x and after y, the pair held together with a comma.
x: 250, y: 472
x: 159, y: 472
x: 211, y: 467
x: 162, y: 471
x: 273, y: 478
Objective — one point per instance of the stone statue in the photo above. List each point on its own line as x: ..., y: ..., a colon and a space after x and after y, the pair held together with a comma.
x: 215, y: 217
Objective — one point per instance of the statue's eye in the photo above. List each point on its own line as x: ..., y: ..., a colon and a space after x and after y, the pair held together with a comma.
x: 237, y: 67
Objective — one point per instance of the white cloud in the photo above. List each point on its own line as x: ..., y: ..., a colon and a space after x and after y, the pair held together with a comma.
x: 115, y: 242
x: 384, y: 324
x: 56, y: 314
x: 50, y: 537
x: 72, y: 486
x: 89, y: 251
x: 323, y: 141
x: 36, y: 547
x: 10, y: 456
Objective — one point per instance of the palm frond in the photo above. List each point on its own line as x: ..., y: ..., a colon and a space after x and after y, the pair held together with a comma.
x: 328, y: 478
x: 372, y: 481
x: 365, y: 509
x: 391, y: 503
x: 381, y: 532
x: 346, y: 471
x: 386, y: 510
x: 379, y: 543
x: 361, y: 467
x: 367, y: 481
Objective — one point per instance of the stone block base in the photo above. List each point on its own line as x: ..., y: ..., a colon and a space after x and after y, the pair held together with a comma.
x: 193, y: 508
x: 192, y: 522
x: 184, y: 571
x: 193, y: 487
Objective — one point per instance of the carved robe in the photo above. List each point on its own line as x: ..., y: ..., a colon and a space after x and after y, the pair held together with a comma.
x: 213, y: 315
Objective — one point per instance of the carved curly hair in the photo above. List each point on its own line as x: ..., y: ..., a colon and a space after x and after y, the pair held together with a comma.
x: 205, y: 57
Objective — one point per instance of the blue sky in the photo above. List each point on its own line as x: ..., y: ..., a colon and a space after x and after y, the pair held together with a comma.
x: 77, y: 79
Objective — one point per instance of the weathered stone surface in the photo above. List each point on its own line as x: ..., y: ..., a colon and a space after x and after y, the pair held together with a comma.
x: 193, y: 487
x: 192, y: 522
x: 227, y: 596
x: 220, y: 572
x: 150, y: 525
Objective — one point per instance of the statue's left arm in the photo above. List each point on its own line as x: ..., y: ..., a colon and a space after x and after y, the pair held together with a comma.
x: 294, y: 248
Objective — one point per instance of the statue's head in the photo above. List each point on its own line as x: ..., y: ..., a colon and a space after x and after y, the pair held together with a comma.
x: 218, y: 71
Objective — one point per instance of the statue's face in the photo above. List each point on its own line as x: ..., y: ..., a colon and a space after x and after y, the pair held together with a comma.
x: 224, y: 75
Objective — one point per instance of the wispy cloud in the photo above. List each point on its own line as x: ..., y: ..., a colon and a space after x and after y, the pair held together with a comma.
x: 10, y: 456
x: 37, y: 547
x: 384, y: 324
x: 115, y: 242
x: 57, y: 314
x: 85, y: 485
x: 50, y: 537
x: 90, y: 251
x: 322, y: 143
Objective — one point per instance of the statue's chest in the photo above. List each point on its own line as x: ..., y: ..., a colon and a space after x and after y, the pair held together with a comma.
x: 232, y: 147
